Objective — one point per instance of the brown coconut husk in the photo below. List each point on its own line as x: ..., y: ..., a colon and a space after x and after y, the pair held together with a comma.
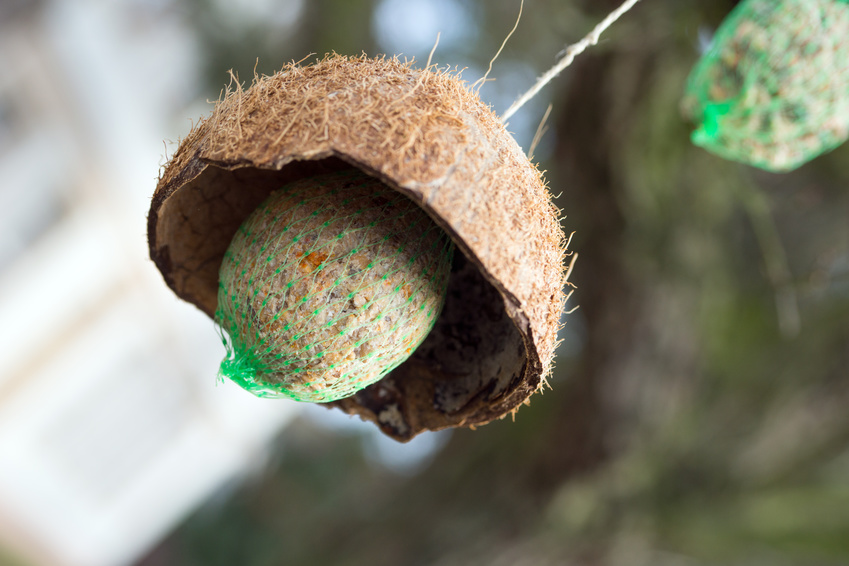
x: 423, y: 133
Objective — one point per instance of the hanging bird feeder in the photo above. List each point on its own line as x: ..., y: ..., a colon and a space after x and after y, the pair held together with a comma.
x: 368, y: 235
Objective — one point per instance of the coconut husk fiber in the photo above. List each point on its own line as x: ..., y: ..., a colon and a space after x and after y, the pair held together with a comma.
x: 426, y: 135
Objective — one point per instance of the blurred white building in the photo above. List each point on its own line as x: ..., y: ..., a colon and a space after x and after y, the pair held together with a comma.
x: 112, y: 425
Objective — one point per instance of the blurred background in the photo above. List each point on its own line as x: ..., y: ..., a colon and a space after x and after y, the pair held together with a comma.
x: 699, y: 409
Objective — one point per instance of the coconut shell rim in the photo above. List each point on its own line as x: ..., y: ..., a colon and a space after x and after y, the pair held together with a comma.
x: 511, y: 303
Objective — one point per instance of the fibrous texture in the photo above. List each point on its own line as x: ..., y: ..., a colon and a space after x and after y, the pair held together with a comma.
x: 424, y: 134
x: 772, y: 89
x: 329, y: 285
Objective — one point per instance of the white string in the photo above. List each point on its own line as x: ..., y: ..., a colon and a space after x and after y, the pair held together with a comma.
x: 571, y: 52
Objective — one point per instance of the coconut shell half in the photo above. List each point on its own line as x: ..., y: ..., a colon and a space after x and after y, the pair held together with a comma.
x: 423, y: 133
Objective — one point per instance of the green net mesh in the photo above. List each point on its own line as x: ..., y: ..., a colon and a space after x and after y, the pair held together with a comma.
x: 773, y: 89
x: 329, y: 285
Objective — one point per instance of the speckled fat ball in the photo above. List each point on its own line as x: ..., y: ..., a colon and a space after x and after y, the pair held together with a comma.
x: 772, y: 89
x: 329, y: 285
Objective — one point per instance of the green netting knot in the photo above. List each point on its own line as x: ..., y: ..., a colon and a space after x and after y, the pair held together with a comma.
x: 709, y: 130
x: 238, y: 368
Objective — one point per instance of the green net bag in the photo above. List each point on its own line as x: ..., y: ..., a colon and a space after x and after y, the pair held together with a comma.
x: 329, y: 285
x: 773, y: 89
